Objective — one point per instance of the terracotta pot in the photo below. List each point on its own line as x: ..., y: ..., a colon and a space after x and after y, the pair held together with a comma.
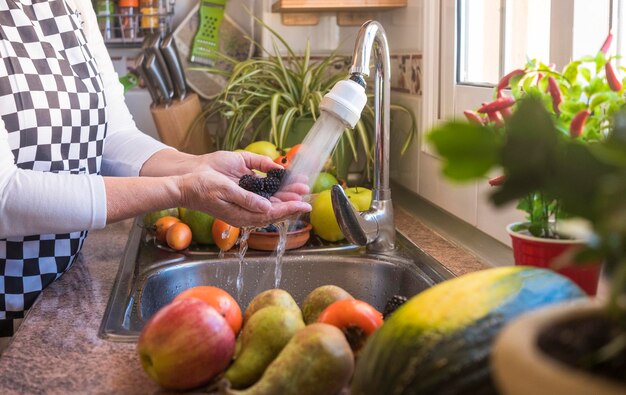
x: 267, y: 241
x: 529, y: 250
x: 521, y: 368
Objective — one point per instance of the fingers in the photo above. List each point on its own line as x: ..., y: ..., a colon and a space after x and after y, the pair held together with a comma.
x: 247, y: 200
x: 259, y: 162
x: 237, y: 216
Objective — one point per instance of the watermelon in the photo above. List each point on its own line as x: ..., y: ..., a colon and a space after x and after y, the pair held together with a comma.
x: 440, y: 340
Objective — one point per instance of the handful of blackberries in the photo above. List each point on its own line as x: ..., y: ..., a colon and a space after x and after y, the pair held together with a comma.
x: 263, y: 186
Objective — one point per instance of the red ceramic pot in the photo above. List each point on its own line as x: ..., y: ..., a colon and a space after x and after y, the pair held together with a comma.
x: 529, y: 250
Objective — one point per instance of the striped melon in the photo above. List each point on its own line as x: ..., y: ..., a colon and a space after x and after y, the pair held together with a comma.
x: 439, y: 341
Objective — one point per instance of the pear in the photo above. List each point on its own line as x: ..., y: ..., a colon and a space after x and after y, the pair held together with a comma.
x: 262, y: 339
x: 316, y: 361
x: 271, y: 297
x: 319, y: 299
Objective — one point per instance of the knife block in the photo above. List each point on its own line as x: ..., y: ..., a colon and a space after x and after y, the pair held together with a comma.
x: 174, y: 124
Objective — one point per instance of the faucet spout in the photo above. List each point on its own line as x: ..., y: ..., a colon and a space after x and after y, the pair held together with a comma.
x: 374, y: 227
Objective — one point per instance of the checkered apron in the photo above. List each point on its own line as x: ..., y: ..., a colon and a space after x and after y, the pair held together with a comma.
x: 53, y: 107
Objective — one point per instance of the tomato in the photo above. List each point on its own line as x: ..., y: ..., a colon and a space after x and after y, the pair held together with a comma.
x: 224, y: 235
x: 162, y: 225
x: 178, y: 236
x: 221, y: 301
x: 355, y: 318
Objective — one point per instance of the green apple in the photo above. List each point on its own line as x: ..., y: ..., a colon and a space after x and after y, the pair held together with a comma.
x: 323, y: 182
x: 360, y: 197
x: 323, y: 218
x: 263, y: 148
x: 150, y: 218
x: 201, y: 225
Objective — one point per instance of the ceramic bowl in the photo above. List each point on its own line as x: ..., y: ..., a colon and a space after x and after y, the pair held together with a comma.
x: 267, y: 241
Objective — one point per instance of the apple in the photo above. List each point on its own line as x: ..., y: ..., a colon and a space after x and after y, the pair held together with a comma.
x: 323, y: 218
x: 201, y: 225
x: 186, y: 344
x: 263, y: 148
x: 360, y: 197
x: 323, y: 182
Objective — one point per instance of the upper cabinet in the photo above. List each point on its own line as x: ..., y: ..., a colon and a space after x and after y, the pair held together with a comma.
x: 349, y: 12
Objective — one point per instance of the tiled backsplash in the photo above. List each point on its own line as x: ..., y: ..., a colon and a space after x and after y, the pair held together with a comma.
x: 406, y: 73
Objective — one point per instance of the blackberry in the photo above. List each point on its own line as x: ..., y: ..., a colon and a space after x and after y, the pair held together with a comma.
x: 392, y: 304
x: 277, y: 173
x: 264, y: 194
x: 271, y: 185
x: 251, y: 183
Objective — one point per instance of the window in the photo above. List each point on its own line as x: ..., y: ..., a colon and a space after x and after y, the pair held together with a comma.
x: 489, y: 38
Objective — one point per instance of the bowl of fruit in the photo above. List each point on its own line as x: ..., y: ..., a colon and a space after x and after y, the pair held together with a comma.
x: 267, y: 238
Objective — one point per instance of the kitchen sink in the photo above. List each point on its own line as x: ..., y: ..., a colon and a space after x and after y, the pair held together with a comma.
x: 150, y: 276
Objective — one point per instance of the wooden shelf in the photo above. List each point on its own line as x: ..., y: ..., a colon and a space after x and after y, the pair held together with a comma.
x: 285, y: 6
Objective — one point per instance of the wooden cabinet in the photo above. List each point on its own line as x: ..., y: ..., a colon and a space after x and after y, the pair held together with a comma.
x: 349, y: 12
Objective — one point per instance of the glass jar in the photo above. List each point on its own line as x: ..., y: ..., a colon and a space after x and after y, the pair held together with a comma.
x: 149, y: 10
x: 128, y: 11
x: 105, y: 9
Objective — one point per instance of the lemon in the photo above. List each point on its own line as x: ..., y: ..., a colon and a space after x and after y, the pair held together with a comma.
x: 323, y: 218
x: 263, y: 148
x: 201, y: 225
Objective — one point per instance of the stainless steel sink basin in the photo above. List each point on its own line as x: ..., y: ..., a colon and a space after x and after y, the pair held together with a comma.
x: 150, y: 276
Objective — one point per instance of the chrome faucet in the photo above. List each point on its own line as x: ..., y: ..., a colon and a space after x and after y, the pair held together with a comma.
x: 375, y: 227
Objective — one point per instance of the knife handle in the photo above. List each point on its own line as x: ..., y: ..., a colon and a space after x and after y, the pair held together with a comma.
x: 172, y: 59
x: 139, y: 66
x: 156, y: 77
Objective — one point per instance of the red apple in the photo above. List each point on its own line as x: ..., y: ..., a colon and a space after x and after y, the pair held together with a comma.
x: 186, y: 344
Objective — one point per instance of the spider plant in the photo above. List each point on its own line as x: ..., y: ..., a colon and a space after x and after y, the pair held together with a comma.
x: 265, y: 97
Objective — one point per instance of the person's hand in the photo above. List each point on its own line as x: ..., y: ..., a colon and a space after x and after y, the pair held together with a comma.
x: 214, y: 189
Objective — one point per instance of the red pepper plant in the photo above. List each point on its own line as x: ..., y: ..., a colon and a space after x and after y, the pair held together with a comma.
x: 580, y: 99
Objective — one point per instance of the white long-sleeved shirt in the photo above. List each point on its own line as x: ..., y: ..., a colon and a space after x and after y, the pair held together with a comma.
x: 34, y: 202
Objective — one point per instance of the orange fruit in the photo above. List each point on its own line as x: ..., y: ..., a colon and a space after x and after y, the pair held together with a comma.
x: 224, y: 235
x: 221, y: 301
x: 162, y: 225
x: 291, y: 154
x: 178, y: 236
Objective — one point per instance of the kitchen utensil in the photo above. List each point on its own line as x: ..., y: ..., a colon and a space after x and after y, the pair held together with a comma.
x: 139, y: 66
x: 170, y: 54
x: 205, y: 42
x: 233, y: 42
x: 153, y: 42
x: 155, y: 75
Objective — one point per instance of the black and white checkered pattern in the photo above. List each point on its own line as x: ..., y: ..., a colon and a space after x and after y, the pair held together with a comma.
x: 53, y: 108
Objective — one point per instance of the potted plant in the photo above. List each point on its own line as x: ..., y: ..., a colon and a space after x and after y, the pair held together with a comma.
x: 581, y: 100
x: 575, y: 348
x: 277, y: 98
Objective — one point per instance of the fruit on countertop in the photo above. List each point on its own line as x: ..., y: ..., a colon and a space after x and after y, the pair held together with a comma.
x: 323, y: 182
x: 162, y: 225
x: 224, y: 235
x: 316, y: 361
x: 220, y: 300
x: 178, y: 236
x: 263, y: 148
x: 263, y: 337
x: 201, y: 225
x: 271, y: 297
x: 323, y: 217
x: 185, y: 345
x: 320, y: 298
x: 357, y: 320
x: 150, y: 218
x: 441, y: 338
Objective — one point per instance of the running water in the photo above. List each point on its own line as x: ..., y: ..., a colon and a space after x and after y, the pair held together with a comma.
x: 283, y: 227
x: 314, y: 152
x: 243, y: 247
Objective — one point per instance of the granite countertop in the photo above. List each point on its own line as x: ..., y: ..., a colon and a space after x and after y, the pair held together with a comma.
x: 57, y: 349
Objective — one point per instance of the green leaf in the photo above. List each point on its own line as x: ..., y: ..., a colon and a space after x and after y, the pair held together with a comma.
x: 469, y: 151
x: 571, y: 72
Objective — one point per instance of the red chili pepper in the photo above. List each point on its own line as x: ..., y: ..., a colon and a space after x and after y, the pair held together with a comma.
x: 607, y: 43
x: 611, y: 77
x: 497, y: 105
x: 497, y: 181
x: 473, y: 117
x: 578, y: 123
x: 555, y: 92
x: 504, y: 82
x: 496, y: 118
x: 506, y: 112
x: 540, y: 76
